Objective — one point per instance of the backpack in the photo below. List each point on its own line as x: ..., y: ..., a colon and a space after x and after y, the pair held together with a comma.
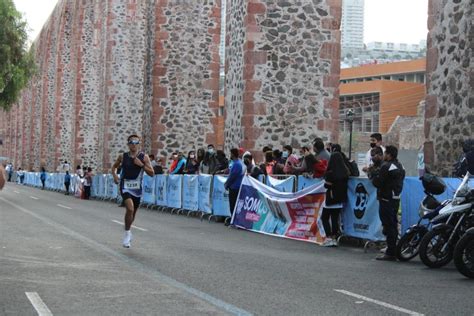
x: 353, y: 168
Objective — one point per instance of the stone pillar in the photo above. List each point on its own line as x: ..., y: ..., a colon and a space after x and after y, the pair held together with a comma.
x: 185, y: 75
x: 282, y: 72
x: 449, y: 112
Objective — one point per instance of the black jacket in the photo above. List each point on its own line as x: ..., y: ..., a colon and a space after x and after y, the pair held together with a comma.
x: 389, y: 180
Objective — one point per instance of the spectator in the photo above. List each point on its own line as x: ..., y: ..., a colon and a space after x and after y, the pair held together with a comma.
x: 307, y: 163
x: 88, y: 183
x: 389, y: 184
x: 351, y: 164
x: 158, y: 168
x: 43, y: 177
x: 375, y: 141
x: 267, y: 166
x: 79, y: 171
x: 252, y: 170
x: 9, y: 170
x: 201, y: 153
x: 235, y: 178
x: 67, y: 182
x: 279, y: 162
x: 174, y: 162
x: 222, y: 166
x: 265, y: 149
x: 20, y: 175
x: 322, y: 158
x: 209, y: 163
x: 462, y: 165
x: 192, y: 164
x: 336, y: 177
x: 181, y: 164
x: 65, y: 167
x: 287, y: 151
x: 329, y: 146
x: 376, y: 155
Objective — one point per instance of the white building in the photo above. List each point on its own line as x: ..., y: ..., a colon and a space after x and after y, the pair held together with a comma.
x: 389, y: 47
x: 352, y: 27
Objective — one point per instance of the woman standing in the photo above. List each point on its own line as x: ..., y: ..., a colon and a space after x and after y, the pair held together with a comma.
x: 192, y: 164
x: 336, y: 178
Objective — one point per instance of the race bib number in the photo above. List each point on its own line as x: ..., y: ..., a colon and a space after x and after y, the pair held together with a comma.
x: 131, y: 184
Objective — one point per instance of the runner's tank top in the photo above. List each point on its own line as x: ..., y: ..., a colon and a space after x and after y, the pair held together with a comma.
x: 132, y: 175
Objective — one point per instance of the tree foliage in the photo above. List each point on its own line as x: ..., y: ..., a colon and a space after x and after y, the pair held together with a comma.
x: 16, y: 61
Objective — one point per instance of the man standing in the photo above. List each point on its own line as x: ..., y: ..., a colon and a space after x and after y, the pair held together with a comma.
x: 237, y: 173
x: 375, y: 141
x: 389, y: 184
x: 133, y: 164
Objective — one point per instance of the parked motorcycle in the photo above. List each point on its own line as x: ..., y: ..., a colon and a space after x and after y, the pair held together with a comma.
x: 464, y: 254
x: 437, y: 246
x: 408, y: 246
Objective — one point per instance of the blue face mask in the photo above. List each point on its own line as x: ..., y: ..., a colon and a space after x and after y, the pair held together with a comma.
x: 285, y: 154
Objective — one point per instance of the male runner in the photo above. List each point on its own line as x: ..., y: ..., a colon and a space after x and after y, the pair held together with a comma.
x: 133, y: 163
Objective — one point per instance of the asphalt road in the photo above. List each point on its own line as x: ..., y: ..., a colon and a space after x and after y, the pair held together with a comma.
x: 63, y: 256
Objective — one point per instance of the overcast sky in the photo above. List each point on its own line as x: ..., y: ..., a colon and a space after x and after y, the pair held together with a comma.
x: 385, y: 20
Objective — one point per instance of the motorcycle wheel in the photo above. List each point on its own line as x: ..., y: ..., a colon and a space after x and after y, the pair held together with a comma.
x: 408, y: 246
x: 430, y: 249
x: 464, y: 256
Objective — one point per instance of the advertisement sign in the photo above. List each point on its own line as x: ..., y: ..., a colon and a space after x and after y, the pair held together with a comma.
x: 360, y: 216
x: 205, y: 183
x: 148, y: 196
x: 282, y: 185
x: 174, y: 190
x: 291, y: 215
x: 220, y: 197
x: 190, y: 192
x: 160, y: 190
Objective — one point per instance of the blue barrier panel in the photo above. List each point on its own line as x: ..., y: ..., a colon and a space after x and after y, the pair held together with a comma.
x: 102, y: 189
x: 111, y: 190
x: 148, y: 196
x: 304, y: 182
x: 94, y: 186
x: 360, y: 216
x: 59, y: 182
x: 190, y: 192
x: 50, y: 181
x: 282, y: 185
x: 160, y: 189
x: 205, y: 185
x: 174, y: 191
x: 220, y: 197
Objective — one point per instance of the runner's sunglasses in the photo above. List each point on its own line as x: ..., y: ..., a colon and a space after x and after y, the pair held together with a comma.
x: 134, y: 142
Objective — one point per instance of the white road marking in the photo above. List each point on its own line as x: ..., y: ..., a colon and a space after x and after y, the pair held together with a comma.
x: 386, y: 305
x: 34, y: 197
x: 63, y: 206
x: 38, y: 304
x: 139, y: 228
x: 135, y: 264
x: 16, y: 192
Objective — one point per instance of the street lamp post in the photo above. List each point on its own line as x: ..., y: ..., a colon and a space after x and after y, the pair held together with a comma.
x: 350, y: 119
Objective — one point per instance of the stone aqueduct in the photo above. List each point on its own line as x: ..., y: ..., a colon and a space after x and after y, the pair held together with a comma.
x: 108, y: 68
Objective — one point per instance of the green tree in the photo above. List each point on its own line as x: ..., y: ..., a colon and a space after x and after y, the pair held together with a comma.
x: 16, y: 61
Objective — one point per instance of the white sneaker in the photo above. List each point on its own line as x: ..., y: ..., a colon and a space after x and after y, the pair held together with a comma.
x: 127, y: 238
x: 328, y: 243
x: 383, y: 250
x: 334, y: 243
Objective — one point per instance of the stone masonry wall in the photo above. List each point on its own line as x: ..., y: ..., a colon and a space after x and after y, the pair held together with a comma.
x: 285, y: 56
x: 449, y: 114
x: 107, y: 69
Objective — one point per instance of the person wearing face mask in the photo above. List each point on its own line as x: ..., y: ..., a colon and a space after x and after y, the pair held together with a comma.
x: 209, y: 163
x: 307, y: 162
x: 252, y: 170
x: 376, y: 155
x: 192, y: 164
x: 375, y: 141
x: 180, y: 165
x: 174, y: 162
